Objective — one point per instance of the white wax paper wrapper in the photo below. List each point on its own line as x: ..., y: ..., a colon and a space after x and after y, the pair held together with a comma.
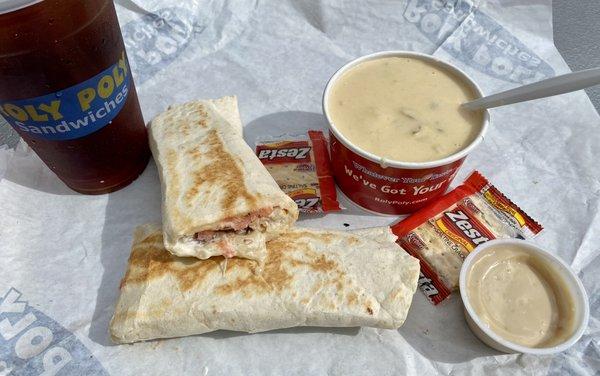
x: 63, y: 254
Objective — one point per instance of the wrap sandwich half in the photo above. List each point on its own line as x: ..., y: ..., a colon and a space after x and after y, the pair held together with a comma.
x: 309, y: 278
x: 217, y: 197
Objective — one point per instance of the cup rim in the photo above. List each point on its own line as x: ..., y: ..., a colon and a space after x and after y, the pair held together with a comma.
x: 399, y: 164
x: 8, y: 6
x: 579, y: 294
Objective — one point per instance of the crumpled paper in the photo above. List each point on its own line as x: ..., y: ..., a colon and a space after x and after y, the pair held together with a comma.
x: 63, y: 254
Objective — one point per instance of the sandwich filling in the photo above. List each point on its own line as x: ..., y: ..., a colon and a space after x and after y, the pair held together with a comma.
x: 258, y: 220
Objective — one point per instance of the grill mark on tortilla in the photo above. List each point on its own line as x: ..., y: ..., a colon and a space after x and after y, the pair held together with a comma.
x: 149, y: 260
x: 171, y: 158
x: 172, y: 189
x: 194, y: 153
x: 274, y: 272
x: 326, y: 238
x: 318, y: 264
x: 352, y: 298
x: 223, y: 170
x: 185, y: 129
x: 243, y: 285
x: 273, y: 275
x: 224, y: 173
x: 353, y: 240
x: 199, y: 111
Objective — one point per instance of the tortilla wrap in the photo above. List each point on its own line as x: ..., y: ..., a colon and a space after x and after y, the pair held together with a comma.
x: 309, y: 278
x: 227, y: 107
x: 218, y: 198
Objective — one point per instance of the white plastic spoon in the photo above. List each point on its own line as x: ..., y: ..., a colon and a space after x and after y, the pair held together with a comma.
x: 546, y: 88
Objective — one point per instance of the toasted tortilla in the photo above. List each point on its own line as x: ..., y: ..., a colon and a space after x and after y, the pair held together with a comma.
x: 218, y: 198
x: 309, y: 278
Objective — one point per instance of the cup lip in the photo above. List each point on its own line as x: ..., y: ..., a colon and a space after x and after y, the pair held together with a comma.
x: 578, y: 293
x: 8, y: 6
x: 399, y: 164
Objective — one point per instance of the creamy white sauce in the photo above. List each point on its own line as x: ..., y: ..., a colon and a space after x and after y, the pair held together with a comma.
x: 404, y: 109
x: 521, y: 297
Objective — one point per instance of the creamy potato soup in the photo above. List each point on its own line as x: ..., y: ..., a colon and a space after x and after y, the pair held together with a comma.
x: 404, y: 109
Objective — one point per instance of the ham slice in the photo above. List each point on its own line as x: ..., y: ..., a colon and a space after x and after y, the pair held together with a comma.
x: 228, y: 251
x: 234, y: 224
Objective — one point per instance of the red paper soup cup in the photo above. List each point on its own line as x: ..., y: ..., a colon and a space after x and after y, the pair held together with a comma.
x: 386, y: 186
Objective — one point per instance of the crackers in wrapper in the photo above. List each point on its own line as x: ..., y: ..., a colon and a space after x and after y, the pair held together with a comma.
x: 301, y: 167
x: 443, y: 233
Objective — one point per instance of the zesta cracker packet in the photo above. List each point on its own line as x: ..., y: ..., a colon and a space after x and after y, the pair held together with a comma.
x: 443, y: 233
x: 301, y: 167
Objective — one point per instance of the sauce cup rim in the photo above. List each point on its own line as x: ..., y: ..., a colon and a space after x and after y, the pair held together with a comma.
x: 399, y: 164
x: 578, y: 294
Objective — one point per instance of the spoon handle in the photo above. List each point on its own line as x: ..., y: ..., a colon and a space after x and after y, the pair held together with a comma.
x: 546, y: 88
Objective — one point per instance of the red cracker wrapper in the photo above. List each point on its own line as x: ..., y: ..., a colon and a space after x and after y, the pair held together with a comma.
x: 301, y: 167
x: 444, y: 232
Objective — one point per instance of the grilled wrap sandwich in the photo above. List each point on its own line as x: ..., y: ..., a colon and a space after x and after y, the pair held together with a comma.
x: 309, y: 278
x: 217, y: 197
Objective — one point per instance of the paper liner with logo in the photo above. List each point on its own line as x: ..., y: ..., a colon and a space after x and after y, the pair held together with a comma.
x: 301, y: 167
x: 444, y: 232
